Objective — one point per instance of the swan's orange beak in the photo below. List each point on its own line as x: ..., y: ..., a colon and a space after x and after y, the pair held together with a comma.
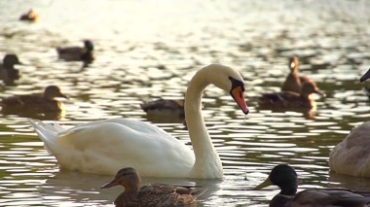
x: 238, y: 96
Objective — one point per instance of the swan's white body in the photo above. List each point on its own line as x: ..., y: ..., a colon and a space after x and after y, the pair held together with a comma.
x: 352, y: 155
x: 106, y: 146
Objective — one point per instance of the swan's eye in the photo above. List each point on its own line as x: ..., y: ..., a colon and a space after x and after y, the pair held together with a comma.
x: 236, y: 83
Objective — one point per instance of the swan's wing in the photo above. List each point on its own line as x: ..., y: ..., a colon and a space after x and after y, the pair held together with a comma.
x: 107, y: 146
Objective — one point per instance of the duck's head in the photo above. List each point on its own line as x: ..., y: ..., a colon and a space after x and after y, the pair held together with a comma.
x: 52, y: 92
x: 229, y: 80
x: 11, y: 60
x: 311, y: 87
x: 88, y: 45
x: 365, y: 76
x: 126, y: 177
x: 293, y: 63
x: 283, y: 176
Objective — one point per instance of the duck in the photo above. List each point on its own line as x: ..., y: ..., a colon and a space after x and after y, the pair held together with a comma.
x: 294, y: 81
x: 105, y: 146
x: 38, y: 102
x: 352, y: 155
x: 8, y: 74
x: 291, y: 100
x: 164, y: 107
x: 30, y: 16
x: 136, y: 195
x: 286, y: 178
x: 84, y: 54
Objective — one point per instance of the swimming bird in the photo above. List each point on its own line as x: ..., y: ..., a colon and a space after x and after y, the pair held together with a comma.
x: 164, y: 107
x: 285, y: 177
x: 106, y: 146
x: 84, y: 54
x: 294, y: 81
x: 291, y: 100
x: 8, y: 74
x: 30, y: 16
x: 352, y: 155
x: 149, y: 195
x: 39, y: 102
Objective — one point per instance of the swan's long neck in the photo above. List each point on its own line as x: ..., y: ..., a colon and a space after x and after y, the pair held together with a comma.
x: 207, y: 162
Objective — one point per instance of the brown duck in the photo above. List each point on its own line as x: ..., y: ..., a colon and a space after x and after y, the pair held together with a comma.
x: 150, y: 195
x: 44, y: 102
x: 30, y: 16
x: 162, y: 107
x: 8, y: 74
x: 288, y: 99
x: 293, y: 81
x: 84, y: 54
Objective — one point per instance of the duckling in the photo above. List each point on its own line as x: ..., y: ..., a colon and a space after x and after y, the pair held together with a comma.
x: 286, y: 178
x: 288, y: 99
x: 293, y: 81
x: 44, y: 102
x: 8, y: 74
x: 150, y: 195
x: 31, y: 16
x: 84, y: 54
x: 162, y: 107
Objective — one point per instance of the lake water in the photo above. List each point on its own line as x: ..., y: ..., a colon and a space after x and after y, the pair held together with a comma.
x: 151, y: 49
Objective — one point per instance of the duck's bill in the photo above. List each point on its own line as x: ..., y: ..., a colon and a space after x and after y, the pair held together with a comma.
x: 63, y: 96
x: 238, y: 95
x: 365, y: 76
x: 112, y: 183
x: 322, y: 94
x: 264, y: 184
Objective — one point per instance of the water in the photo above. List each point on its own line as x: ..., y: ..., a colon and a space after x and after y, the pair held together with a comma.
x: 151, y: 49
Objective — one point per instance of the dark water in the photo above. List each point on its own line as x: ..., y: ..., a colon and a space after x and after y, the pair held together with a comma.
x: 151, y: 49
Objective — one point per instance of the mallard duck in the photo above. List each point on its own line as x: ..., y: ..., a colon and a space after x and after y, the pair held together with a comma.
x: 84, y: 54
x: 106, y: 146
x: 352, y: 155
x: 288, y: 99
x: 8, y: 74
x: 149, y: 195
x: 286, y: 178
x: 29, y: 16
x: 44, y: 102
x: 163, y: 107
x: 294, y: 81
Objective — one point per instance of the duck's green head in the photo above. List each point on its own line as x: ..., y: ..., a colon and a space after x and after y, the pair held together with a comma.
x: 283, y: 176
x: 10, y: 60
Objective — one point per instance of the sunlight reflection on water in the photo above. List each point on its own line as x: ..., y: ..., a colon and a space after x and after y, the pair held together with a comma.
x: 149, y: 49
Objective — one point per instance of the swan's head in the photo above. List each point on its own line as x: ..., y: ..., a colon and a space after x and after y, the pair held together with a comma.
x: 126, y: 177
x: 229, y: 80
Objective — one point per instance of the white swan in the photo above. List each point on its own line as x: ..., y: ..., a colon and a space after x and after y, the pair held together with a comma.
x: 352, y: 155
x: 104, y: 147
